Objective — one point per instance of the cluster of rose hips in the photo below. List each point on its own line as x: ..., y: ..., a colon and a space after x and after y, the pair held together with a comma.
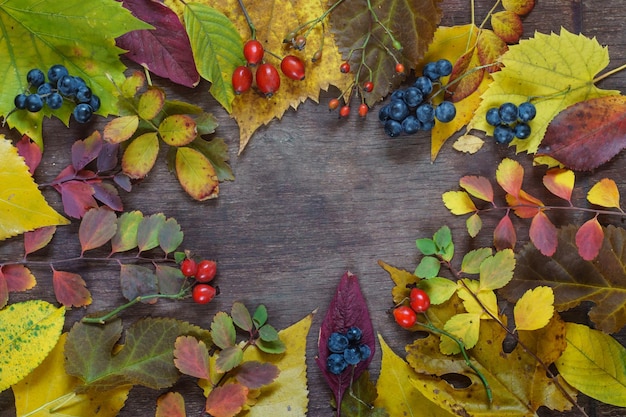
x: 265, y: 77
x: 406, y: 315
x: 203, y: 272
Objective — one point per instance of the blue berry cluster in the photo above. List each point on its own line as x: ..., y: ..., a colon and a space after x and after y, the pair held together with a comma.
x: 346, y: 349
x: 411, y: 110
x: 60, y: 86
x: 511, y: 121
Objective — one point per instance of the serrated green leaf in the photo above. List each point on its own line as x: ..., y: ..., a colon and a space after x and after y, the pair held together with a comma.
x: 216, y: 151
x: 126, y: 233
x: 426, y: 246
x: 223, y: 330
x: 442, y: 238
x: 273, y: 347
x: 148, y: 231
x: 497, y: 271
x: 170, y: 236
x: 217, y: 49
x: 472, y: 260
x: 50, y: 33
x: 439, y: 289
x: 428, y: 267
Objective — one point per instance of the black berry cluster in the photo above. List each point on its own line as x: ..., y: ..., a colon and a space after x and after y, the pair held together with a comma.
x: 59, y: 87
x: 346, y: 349
x: 411, y: 110
x: 511, y: 121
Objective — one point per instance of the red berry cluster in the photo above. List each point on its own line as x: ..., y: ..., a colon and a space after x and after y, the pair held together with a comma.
x: 203, y: 272
x: 406, y: 316
x: 266, y: 75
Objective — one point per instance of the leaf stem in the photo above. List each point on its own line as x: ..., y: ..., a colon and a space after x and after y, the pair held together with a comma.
x: 313, y: 22
x: 248, y: 20
x: 609, y: 73
x: 64, y: 399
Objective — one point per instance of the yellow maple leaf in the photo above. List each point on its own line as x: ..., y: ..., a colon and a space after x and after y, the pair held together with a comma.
x: 22, y: 206
x: 553, y: 81
x: 535, y: 309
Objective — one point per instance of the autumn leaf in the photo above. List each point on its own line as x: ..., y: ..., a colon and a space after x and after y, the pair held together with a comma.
x: 14, y: 278
x: 70, y: 289
x: 191, y: 357
x: 61, y: 33
x: 458, y: 202
x: 575, y: 280
x: 604, y: 193
x: 593, y: 362
x: 587, y: 134
x: 227, y: 400
x: 31, y: 152
x: 589, y: 239
x: 507, y: 25
x: 28, y: 332
x: 48, y: 387
x: 543, y: 234
x: 531, y: 69
x: 140, y: 155
x: 97, y: 227
x: 497, y: 270
x: 535, y: 309
x: 171, y: 404
x: 22, y: 205
x: 560, y: 182
x: 402, y: 280
x: 196, y: 174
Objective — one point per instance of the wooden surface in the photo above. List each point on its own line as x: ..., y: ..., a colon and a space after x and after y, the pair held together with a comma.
x: 315, y: 196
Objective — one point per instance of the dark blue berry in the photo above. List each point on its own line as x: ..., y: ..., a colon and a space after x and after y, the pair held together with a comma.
x: 44, y: 90
x: 337, y: 342
x: 67, y: 85
x: 397, y: 95
x: 526, y: 111
x: 411, y: 125
x: 83, y: 94
x: 398, y: 110
x: 82, y: 112
x: 354, y: 334
x: 522, y: 130
x: 503, y: 134
x: 426, y: 126
x: 364, y: 351
x: 20, y: 101
x: 445, y: 111
x: 335, y: 363
x: 493, y: 116
x: 35, y: 77
x: 430, y: 71
x: 56, y: 72
x: 443, y: 67
x: 424, y: 84
x: 54, y: 101
x: 34, y: 103
x: 393, y: 128
x: 383, y: 113
x: 508, y: 112
x: 352, y: 355
x: 95, y: 102
x: 425, y: 113
x: 413, y: 97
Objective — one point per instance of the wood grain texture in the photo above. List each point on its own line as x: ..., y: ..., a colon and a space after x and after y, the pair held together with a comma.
x: 315, y: 196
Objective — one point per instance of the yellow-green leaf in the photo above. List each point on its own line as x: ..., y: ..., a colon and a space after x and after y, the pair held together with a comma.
x: 178, y: 130
x: 49, y: 386
x: 458, y: 202
x: 604, y: 193
x: 121, y: 128
x: 535, y: 309
x: 196, y: 174
x: 402, y: 279
x: 594, y: 363
x: 486, y: 297
x: 466, y: 327
x: 28, y: 332
x: 151, y: 103
x: 496, y: 271
x: 22, y: 206
x: 140, y: 156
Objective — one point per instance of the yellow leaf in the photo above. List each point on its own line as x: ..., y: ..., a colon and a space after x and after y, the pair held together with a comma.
x: 403, y: 279
x: 466, y: 327
x: 140, y: 155
x: 604, y: 193
x: 496, y: 271
x: 532, y: 69
x: 51, y: 391
x: 458, y: 202
x: 468, y: 143
x: 288, y: 394
x: 486, y: 296
x: 120, y: 129
x: 594, y: 363
x: 535, y: 309
x: 196, y: 174
x: 22, y: 206
x: 28, y: 332
x: 394, y: 394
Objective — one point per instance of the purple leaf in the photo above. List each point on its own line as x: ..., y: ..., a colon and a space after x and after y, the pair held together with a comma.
x: 348, y: 308
x: 85, y: 151
x: 123, y: 181
x: 77, y: 198
x: 107, y: 158
x: 107, y: 194
x: 166, y: 50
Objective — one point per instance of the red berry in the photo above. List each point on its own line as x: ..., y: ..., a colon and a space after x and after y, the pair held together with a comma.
x: 419, y: 300
x: 242, y: 79
x: 203, y: 293
x: 399, y: 68
x: 344, y: 111
x: 292, y: 67
x: 368, y: 86
x: 188, y: 267
x: 345, y: 67
x: 333, y: 103
x: 253, y: 51
x: 267, y: 79
x: 405, y: 316
x: 363, y: 109
x: 206, y: 271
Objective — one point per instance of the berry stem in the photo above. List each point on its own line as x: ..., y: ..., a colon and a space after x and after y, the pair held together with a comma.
x: 484, y: 22
x: 248, y: 20
x: 394, y: 41
x: 313, y: 22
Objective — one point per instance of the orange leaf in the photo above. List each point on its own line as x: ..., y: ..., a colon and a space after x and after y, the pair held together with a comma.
x: 504, y: 235
x: 560, y: 182
x: 604, y: 193
x: 191, y: 357
x: 510, y: 175
x: 520, y: 7
x: 525, y: 205
x: 507, y: 25
x: 589, y: 239
x: 479, y: 187
x: 490, y: 48
x: 170, y: 404
x: 70, y: 289
x: 471, y: 80
x: 18, y: 277
x: 226, y: 400
x: 543, y: 234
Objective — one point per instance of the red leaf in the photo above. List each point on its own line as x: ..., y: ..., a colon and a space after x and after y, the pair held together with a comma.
x: 30, y: 151
x: 255, y: 374
x: 543, y: 234
x: 464, y: 67
x: 38, y: 239
x: 18, y: 277
x: 226, y: 400
x: 170, y: 404
x: 348, y: 308
x: 587, y: 134
x: 166, y: 50
x: 85, y: 151
x: 70, y: 289
x: 4, y: 292
x: 589, y: 239
x: 504, y: 235
x: 77, y: 198
x: 191, y: 357
x: 97, y: 228
x: 479, y: 187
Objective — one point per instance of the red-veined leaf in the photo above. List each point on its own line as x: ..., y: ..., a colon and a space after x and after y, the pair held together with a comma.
x: 227, y: 400
x: 543, y: 234
x: 70, y: 289
x: 504, y: 235
x: 477, y: 186
x: 589, y: 239
x: 191, y: 357
x: 97, y: 228
x: 510, y: 175
x: 560, y: 182
x: 604, y: 193
x: 470, y: 82
x: 38, y: 239
x: 86, y: 150
x: 30, y: 151
x: 171, y: 404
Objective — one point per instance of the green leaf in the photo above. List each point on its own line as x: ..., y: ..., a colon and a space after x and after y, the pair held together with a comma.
x: 97, y: 227
x: 28, y: 332
x: 268, y: 333
x: 126, y: 233
x: 217, y: 49
x: 41, y: 34
x: 223, y: 330
x: 473, y: 259
x: 216, y: 151
x: 426, y: 246
x: 148, y: 231
x: 274, y: 347
x: 170, y: 236
x: 442, y: 238
x: 137, y: 281
x: 140, y: 155
x: 178, y: 130
x: 260, y: 316
x: 497, y: 271
x: 363, y: 394
x: 428, y: 267
x: 95, y: 356
x: 170, y: 279
x: 439, y: 289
